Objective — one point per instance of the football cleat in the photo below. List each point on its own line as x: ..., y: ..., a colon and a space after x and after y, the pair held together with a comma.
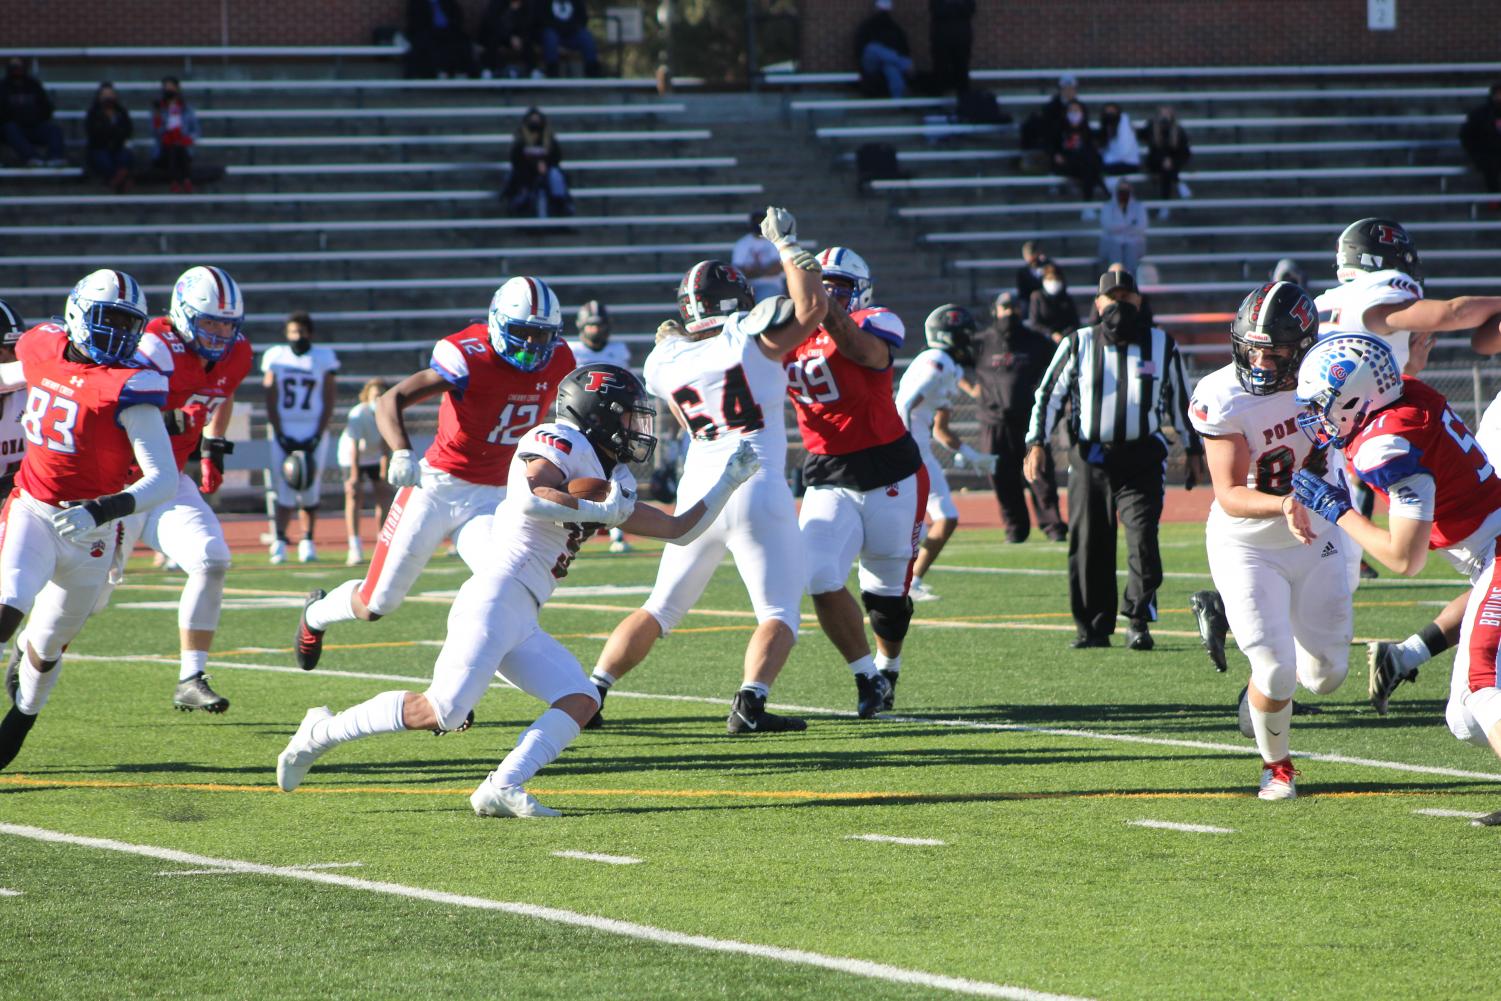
x: 194, y: 693
x: 1243, y: 714
x: 308, y: 643
x: 1367, y: 572
x: 872, y: 689
x: 1277, y: 780
x: 748, y: 715
x: 621, y: 546
x: 355, y: 558
x: 299, y: 754
x: 491, y: 800
x: 1489, y: 820
x: 890, y: 700
x: 307, y: 552
x: 598, y: 720
x: 278, y: 552
x: 920, y: 591
x: 13, y: 672
x: 1303, y: 709
x: 13, y: 730
x: 468, y: 722
x: 1209, y: 612
x: 1386, y: 673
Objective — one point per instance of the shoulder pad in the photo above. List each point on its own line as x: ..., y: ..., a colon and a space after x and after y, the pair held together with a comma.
x: 768, y: 314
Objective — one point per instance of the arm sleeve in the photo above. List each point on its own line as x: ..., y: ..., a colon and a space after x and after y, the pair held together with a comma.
x: 153, y: 453
x: 1052, y: 391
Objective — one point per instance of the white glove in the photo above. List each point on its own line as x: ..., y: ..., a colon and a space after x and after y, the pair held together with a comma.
x: 779, y: 227
x: 617, y: 506
x: 73, y: 521
x: 670, y: 328
x: 968, y: 458
x: 403, y: 470
x: 743, y: 464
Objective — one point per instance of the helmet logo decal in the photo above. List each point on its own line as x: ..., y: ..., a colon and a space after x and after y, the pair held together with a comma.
x: 1303, y: 312
x: 600, y: 380
x: 1338, y: 373
x: 1390, y: 234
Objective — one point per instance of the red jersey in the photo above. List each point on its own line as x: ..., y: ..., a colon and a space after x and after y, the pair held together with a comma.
x: 490, y: 404
x: 1420, y: 436
x: 194, y: 388
x: 75, y: 446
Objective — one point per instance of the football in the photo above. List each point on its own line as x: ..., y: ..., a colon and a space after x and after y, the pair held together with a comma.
x: 590, y: 488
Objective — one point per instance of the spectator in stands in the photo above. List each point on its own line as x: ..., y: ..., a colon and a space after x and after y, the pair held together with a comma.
x: 1075, y: 154
x: 508, y: 36
x: 1120, y: 153
x: 175, y: 126
x: 363, y: 454
x: 1010, y: 359
x: 109, y: 128
x: 1042, y: 127
x: 1168, y: 153
x: 882, y: 53
x: 565, y: 24
x: 1123, y: 227
x: 26, y: 110
x: 757, y: 258
x: 537, y: 185
x: 1481, y: 137
x: 951, y: 38
x: 1052, y: 312
x: 1289, y: 270
x: 1029, y: 276
x: 439, y: 47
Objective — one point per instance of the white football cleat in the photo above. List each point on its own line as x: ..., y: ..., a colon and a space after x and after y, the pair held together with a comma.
x: 1246, y: 729
x: 1277, y: 780
x: 921, y: 592
x: 621, y: 546
x: 307, y: 552
x: 355, y: 558
x: 300, y: 754
x: 278, y: 551
x: 491, y: 800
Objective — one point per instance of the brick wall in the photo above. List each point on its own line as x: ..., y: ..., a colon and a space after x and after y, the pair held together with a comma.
x: 201, y: 22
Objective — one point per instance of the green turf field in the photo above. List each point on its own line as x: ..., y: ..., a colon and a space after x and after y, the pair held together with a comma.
x: 1021, y: 765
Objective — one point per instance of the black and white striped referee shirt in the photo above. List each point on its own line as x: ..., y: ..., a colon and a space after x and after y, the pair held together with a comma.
x: 1116, y: 392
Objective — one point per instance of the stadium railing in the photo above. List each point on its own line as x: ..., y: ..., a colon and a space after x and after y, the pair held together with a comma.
x: 1192, y: 204
x: 1192, y: 125
x: 417, y: 167
x: 1050, y: 75
x: 1442, y: 171
x: 392, y: 197
x: 1204, y: 232
x: 488, y: 112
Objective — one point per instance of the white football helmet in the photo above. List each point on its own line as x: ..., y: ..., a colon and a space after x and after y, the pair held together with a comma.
x: 207, y: 310
x: 526, y: 323
x: 1342, y: 381
x: 841, y: 262
x: 104, y: 316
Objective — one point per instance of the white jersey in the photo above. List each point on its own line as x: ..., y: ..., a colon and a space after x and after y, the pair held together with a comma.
x: 726, y: 388
x: 930, y: 383
x: 1342, y: 309
x: 613, y: 353
x: 299, y: 386
x: 360, y: 443
x: 536, y: 552
x: 1221, y: 407
x: 12, y: 436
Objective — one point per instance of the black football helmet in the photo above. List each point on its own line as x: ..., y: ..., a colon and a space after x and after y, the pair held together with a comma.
x: 610, y: 406
x: 1277, y: 317
x: 711, y: 291
x: 593, y: 314
x: 1376, y: 245
x: 951, y: 328
x: 11, y: 325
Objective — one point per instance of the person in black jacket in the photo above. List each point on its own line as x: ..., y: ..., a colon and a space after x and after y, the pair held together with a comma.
x: 1481, y: 138
x: 951, y: 37
x: 881, y: 50
x: 439, y: 47
x: 1029, y: 276
x: 508, y: 35
x: 1009, y: 362
x: 1052, y: 312
x: 537, y: 185
x: 108, y: 127
x: 565, y: 24
x: 26, y: 110
x: 1167, y: 153
x: 1075, y: 153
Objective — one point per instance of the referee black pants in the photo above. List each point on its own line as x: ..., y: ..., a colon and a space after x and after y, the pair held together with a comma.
x: 1007, y: 442
x: 1126, y: 484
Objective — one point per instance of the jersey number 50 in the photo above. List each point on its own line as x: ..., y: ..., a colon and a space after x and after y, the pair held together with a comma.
x: 58, y: 412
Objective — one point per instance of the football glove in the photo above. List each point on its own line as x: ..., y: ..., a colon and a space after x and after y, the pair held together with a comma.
x: 211, y: 463
x: 743, y: 464
x: 670, y: 328
x: 617, y: 506
x: 779, y: 227
x: 967, y: 457
x: 73, y: 520
x: 403, y: 470
x: 1323, y: 498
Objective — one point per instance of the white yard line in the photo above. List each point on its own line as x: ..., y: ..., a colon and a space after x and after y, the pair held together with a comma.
x: 610, y: 926
x: 1167, y: 825
x: 9, y: 893
x: 230, y: 872
x: 892, y: 839
x: 1466, y: 814
x: 1455, y: 584
x: 599, y: 857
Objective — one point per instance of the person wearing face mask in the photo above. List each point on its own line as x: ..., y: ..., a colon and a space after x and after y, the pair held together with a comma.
x: 1122, y: 381
x: 1052, y: 312
x: 300, y: 392
x: 1123, y: 227
x: 1481, y: 137
x: 175, y: 126
x: 26, y: 111
x: 1168, y: 153
x: 109, y: 129
x: 1076, y: 155
x: 537, y: 185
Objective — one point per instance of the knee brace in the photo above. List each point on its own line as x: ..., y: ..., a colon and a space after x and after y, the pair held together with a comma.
x: 890, y: 616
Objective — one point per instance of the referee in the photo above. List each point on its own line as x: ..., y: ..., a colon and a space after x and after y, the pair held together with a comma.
x: 1122, y: 381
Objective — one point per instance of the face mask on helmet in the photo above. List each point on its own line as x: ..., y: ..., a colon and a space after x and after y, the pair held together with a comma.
x: 211, y: 336
x: 610, y: 406
x: 111, y: 333
x: 525, y: 323
x: 1263, y: 369
x: 840, y: 290
x: 528, y: 346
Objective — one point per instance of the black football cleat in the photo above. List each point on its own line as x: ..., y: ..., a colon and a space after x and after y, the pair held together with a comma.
x: 1489, y: 820
x: 1386, y: 673
x: 598, y: 720
x: 13, y: 673
x: 194, y: 693
x: 1367, y: 572
x: 468, y: 722
x: 872, y: 690
x: 13, y: 730
x: 1304, y: 709
x: 1209, y: 611
x: 308, y: 643
x: 890, y: 700
x: 748, y: 715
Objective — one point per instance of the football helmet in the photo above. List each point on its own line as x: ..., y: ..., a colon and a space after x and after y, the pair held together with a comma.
x: 709, y: 293
x: 1280, y: 321
x: 610, y: 406
x: 1375, y: 245
x: 104, y: 316
x: 841, y: 262
x: 299, y: 469
x: 951, y: 328
x: 11, y: 325
x: 207, y: 311
x: 597, y: 315
x: 1342, y: 381
x: 525, y: 323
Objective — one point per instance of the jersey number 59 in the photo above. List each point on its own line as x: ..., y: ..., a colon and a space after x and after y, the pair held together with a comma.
x: 59, y: 413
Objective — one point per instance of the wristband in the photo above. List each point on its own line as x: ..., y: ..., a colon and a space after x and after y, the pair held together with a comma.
x: 102, y: 509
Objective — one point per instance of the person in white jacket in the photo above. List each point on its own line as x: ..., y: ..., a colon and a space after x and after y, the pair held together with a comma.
x: 1123, y: 228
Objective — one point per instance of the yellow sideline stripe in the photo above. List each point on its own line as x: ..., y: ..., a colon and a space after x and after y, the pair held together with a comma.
x: 781, y: 794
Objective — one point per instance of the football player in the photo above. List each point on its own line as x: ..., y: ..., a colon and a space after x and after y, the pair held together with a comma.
x: 497, y: 380
x: 594, y: 347
x: 924, y: 399
x: 721, y: 370
x: 300, y: 391
x: 93, y: 414
x: 1288, y: 603
x: 12, y: 435
x: 867, y: 486
x: 200, y: 348
x: 604, y: 420
x: 1402, y: 438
